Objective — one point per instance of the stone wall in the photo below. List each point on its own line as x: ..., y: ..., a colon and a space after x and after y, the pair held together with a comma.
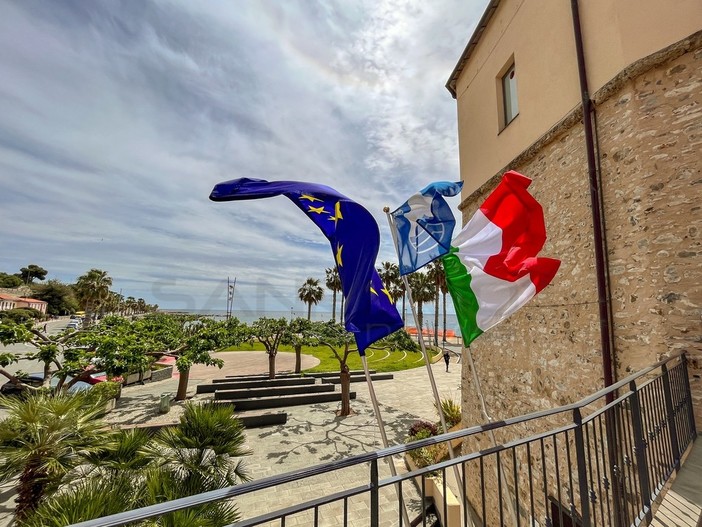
x: 549, y: 353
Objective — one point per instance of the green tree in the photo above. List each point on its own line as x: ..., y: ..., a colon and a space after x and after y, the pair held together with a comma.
x: 32, y: 271
x: 443, y: 286
x: 435, y: 270
x: 188, y: 338
x: 390, y: 275
x: 335, y: 337
x: 131, y: 469
x: 93, y: 290
x: 310, y: 293
x: 48, y: 350
x: 270, y: 332
x: 423, y: 291
x: 298, y: 334
x: 333, y: 283
x: 60, y: 297
x: 9, y: 280
x: 44, y: 438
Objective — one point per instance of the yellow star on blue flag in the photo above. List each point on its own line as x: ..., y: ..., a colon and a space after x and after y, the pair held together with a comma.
x: 354, y: 238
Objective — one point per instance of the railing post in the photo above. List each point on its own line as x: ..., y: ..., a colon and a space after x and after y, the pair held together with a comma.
x: 582, y: 468
x: 640, y: 446
x: 688, y: 395
x: 374, y: 502
x: 670, y: 417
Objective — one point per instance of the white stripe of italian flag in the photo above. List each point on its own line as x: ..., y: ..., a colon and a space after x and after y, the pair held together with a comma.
x: 492, y: 269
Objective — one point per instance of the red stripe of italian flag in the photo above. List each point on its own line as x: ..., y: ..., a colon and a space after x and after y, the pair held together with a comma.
x: 492, y: 269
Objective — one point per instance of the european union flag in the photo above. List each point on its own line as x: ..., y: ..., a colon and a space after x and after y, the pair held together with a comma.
x: 354, y: 237
x: 424, y: 225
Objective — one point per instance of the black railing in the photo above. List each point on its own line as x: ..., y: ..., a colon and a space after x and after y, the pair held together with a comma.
x: 585, y: 464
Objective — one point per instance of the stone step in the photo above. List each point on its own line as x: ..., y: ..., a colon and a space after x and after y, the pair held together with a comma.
x: 256, y: 377
x: 242, y: 405
x: 356, y: 378
x: 267, y: 383
x: 261, y: 420
x: 271, y: 392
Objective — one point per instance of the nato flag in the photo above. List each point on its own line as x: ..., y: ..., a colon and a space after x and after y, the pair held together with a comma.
x: 354, y: 237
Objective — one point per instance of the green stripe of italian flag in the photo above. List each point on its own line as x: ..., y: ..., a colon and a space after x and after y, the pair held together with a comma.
x: 492, y: 269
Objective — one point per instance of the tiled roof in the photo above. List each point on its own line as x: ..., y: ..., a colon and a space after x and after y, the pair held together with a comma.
x: 9, y: 297
x: 25, y: 299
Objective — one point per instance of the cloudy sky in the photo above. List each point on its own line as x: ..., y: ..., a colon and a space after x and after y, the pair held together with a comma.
x: 118, y: 117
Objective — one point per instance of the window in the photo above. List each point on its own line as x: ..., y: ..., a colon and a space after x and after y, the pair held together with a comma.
x: 509, y: 95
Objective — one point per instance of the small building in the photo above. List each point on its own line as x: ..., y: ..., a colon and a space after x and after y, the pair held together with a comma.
x: 32, y: 303
x: 7, y: 302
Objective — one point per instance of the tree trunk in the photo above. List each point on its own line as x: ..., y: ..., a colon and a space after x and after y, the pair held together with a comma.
x: 404, y: 310
x: 183, y: 385
x: 341, y: 312
x: 298, y: 357
x: 334, y: 305
x: 47, y: 371
x: 436, y: 319
x: 420, y: 318
x: 271, y: 364
x: 30, y: 489
x: 444, y: 302
x: 345, y: 378
x: 309, y: 310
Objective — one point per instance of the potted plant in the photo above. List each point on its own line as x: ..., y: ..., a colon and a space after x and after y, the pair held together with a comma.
x: 427, y: 456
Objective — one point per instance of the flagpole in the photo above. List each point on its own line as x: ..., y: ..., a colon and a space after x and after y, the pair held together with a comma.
x: 432, y: 381
x: 384, y: 438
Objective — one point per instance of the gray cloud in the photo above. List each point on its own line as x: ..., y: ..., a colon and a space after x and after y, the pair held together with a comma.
x: 117, y: 119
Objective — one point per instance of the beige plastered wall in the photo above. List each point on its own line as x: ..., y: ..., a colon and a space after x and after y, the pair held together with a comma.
x: 538, y: 37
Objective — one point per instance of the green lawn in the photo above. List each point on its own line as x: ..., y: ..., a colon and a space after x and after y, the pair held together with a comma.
x: 379, y: 360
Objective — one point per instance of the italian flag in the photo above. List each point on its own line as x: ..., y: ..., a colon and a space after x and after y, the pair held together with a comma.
x: 492, y: 269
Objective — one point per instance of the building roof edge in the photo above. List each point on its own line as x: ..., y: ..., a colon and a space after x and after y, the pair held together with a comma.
x: 472, y: 43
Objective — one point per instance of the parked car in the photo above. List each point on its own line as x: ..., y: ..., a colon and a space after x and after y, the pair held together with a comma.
x: 36, y: 379
x: 33, y: 379
x: 73, y: 324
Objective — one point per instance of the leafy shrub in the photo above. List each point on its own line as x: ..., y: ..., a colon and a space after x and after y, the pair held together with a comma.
x: 423, y: 457
x: 21, y: 315
x: 399, y: 341
x: 9, y: 280
x: 452, y: 412
x: 420, y: 427
x: 105, y: 391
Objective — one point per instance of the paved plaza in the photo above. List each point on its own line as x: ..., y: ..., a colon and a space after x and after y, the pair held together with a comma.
x: 313, y: 434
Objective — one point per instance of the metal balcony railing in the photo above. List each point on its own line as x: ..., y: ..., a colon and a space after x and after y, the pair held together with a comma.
x: 599, y: 462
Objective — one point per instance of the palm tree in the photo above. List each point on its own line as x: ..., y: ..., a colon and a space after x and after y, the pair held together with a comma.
x: 93, y: 289
x: 436, y: 273
x: 43, y: 439
x: 333, y: 283
x: 423, y: 291
x: 135, y: 469
x: 310, y: 293
x: 130, y: 305
x: 390, y: 275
